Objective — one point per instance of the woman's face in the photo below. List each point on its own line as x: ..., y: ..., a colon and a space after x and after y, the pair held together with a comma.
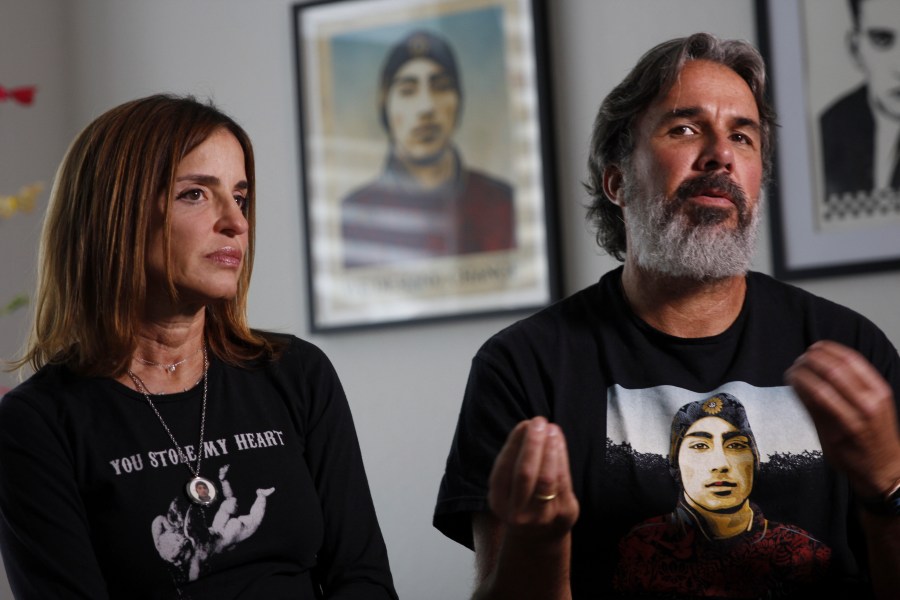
x: 209, y: 229
x: 716, y: 463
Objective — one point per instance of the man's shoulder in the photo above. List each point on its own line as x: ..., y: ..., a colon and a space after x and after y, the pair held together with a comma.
x: 566, y: 320
x: 787, y: 305
x: 369, y: 193
x: 768, y: 289
x: 854, y: 103
x: 480, y: 183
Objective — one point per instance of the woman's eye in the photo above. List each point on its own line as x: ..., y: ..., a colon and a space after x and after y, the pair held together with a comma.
x: 192, y: 194
x: 241, y: 202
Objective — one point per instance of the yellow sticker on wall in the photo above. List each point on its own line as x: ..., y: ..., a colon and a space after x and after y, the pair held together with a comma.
x: 24, y: 201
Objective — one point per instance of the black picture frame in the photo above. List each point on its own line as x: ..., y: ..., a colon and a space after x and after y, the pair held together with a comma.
x: 494, y: 222
x: 825, y: 222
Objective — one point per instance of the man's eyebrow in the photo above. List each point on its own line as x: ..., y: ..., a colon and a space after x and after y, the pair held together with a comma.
x: 688, y: 112
x: 404, y: 79
x: 748, y: 123
x: 699, y: 434
x: 210, y: 180
x: 733, y: 434
x: 682, y: 112
x: 442, y: 74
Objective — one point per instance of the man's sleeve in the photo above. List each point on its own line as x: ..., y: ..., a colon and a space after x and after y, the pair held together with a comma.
x: 494, y: 402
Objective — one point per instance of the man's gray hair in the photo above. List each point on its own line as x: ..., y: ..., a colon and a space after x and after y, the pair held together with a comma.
x: 612, y: 139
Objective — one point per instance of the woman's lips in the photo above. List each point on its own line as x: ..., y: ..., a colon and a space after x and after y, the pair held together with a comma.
x: 227, y: 256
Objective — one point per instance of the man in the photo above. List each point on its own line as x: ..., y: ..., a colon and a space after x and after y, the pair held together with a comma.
x: 553, y: 459
x: 426, y: 204
x: 201, y: 492
x: 707, y: 541
x: 861, y: 130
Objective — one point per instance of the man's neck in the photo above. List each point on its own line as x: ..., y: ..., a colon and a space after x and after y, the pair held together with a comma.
x: 887, y: 129
x: 723, y: 525
x: 682, y: 307
x: 431, y: 174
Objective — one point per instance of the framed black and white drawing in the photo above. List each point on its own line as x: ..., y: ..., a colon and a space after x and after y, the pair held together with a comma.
x: 835, y: 202
x: 426, y: 159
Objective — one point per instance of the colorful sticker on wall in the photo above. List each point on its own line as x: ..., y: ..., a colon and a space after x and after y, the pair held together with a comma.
x: 15, y: 304
x: 23, y: 202
x: 22, y: 95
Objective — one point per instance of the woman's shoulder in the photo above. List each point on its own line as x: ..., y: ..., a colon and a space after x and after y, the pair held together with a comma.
x: 47, y: 394
x: 292, y: 354
x: 49, y: 379
x: 288, y: 345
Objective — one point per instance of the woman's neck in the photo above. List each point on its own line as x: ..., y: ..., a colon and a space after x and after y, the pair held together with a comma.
x: 168, y: 356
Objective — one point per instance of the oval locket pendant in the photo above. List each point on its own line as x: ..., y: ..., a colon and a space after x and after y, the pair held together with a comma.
x: 201, y: 491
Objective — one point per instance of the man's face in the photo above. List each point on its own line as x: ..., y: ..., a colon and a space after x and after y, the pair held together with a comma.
x: 690, y: 191
x: 421, y: 105
x: 877, y: 46
x: 716, y: 464
x: 202, y: 490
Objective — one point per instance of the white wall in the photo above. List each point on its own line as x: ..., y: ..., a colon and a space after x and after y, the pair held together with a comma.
x: 33, y: 45
x: 404, y: 383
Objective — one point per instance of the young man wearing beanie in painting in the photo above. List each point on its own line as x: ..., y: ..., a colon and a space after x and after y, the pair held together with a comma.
x: 715, y: 529
x: 426, y: 203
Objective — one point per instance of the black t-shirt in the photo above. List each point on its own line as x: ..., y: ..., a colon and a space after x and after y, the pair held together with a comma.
x: 93, y: 503
x: 613, y: 384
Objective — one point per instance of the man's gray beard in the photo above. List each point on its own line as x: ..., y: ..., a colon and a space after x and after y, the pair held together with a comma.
x: 674, y: 246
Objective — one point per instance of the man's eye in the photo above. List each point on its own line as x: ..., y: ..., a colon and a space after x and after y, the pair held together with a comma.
x: 682, y: 130
x: 442, y: 83
x: 883, y: 39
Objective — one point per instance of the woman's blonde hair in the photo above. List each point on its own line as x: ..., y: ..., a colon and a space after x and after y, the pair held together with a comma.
x: 92, y: 283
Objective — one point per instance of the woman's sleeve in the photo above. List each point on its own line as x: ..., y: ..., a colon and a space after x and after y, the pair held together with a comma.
x: 353, y: 561
x: 44, y: 535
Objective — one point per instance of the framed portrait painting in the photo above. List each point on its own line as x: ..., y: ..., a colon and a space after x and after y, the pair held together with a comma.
x: 426, y: 159
x: 835, y: 198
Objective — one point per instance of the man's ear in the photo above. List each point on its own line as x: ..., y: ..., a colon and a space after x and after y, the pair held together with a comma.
x: 612, y: 184
x: 852, y: 41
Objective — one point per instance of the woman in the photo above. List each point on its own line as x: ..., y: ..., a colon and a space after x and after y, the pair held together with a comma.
x: 150, y: 387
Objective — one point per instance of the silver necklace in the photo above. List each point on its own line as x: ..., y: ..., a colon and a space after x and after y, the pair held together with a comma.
x: 168, y: 367
x: 200, y: 490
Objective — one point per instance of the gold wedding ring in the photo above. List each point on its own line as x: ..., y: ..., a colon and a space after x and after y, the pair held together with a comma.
x: 546, y: 498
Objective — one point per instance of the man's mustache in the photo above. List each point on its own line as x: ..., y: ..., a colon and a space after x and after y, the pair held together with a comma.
x: 722, y: 185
